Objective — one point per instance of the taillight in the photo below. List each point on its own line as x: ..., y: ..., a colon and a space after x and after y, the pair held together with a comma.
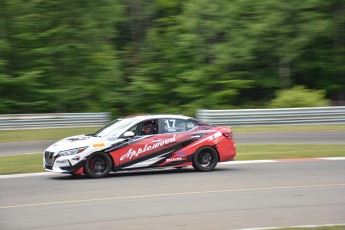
x: 228, y: 135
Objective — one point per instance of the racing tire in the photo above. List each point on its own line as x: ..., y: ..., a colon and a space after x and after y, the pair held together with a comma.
x: 205, y: 159
x: 98, y: 165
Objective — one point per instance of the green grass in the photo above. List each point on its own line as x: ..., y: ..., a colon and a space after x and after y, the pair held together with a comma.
x: 26, y: 163
x: 33, y: 162
x: 56, y: 134
x: 42, y: 134
x: 286, y: 151
x: 287, y: 128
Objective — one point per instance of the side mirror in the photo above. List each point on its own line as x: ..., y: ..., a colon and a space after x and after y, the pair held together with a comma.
x: 128, y: 134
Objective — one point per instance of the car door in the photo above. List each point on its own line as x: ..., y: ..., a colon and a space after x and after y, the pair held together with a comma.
x: 179, y: 130
x: 147, y: 148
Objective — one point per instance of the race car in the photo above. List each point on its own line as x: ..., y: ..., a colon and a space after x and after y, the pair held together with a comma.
x: 141, y: 142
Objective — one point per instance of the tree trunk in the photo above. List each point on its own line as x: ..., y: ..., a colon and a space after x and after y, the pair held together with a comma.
x: 284, y: 74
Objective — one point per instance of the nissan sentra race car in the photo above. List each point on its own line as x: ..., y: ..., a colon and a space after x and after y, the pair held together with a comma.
x: 142, y: 141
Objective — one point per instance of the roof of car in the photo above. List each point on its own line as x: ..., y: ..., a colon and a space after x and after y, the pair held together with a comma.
x: 157, y: 116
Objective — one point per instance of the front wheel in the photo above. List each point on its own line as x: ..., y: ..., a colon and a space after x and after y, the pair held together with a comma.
x: 98, y: 165
x: 205, y: 159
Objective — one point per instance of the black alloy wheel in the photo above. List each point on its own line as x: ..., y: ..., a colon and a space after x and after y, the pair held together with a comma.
x: 205, y: 159
x: 98, y: 165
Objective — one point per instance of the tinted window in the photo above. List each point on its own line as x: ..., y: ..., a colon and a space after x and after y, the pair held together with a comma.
x: 149, y: 127
x: 174, y: 125
x: 190, y: 125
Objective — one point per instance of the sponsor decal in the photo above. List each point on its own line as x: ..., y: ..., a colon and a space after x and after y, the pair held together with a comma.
x: 214, y: 136
x: 137, y: 152
x: 98, y: 145
x: 176, y: 159
x: 181, y: 154
x: 76, y: 158
x: 78, y: 138
x: 203, y: 131
x: 61, y: 161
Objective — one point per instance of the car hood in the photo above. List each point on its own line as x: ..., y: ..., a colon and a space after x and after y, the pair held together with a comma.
x: 73, y: 142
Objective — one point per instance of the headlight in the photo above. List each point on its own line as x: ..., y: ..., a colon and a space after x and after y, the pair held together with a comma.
x: 71, y: 151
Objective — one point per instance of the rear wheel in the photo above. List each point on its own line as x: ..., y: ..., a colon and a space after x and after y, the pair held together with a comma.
x: 205, y: 159
x: 98, y: 165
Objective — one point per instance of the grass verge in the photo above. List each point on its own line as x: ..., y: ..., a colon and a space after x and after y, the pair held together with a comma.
x: 42, y: 134
x: 28, y: 163
x: 287, y: 128
x: 288, y: 151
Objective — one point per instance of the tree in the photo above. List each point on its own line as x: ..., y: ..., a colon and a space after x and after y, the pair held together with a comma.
x: 183, y: 68
x: 61, y: 56
x: 165, y: 55
x: 322, y: 65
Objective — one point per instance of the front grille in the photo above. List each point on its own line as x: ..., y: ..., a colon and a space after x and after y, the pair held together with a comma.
x: 48, y: 156
x: 48, y: 167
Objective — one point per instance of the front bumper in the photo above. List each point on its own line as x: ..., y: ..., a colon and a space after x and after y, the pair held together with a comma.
x: 62, y: 164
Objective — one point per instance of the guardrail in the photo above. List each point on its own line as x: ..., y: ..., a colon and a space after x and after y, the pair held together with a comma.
x: 285, y: 116
x: 234, y: 117
x: 52, y: 120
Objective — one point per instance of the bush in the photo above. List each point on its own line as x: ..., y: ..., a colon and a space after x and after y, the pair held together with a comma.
x: 299, y: 96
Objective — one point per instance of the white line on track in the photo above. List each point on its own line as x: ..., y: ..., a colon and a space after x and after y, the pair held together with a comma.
x: 297, y: 226
x: 247, y: 162
x: 174, y: 194
x: 332, y: 158
x: 24, y: 175
x: 222, y: 163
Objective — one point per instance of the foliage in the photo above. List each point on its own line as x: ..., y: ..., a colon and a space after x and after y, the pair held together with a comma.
x: 173, y: 56
x: 299, y: 96
x: 58, y: 56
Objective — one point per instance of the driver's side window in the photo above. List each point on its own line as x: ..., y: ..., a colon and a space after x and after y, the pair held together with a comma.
x: 149, y: 127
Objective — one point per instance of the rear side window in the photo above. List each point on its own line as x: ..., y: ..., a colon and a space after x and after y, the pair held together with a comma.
x: 180, y: 125
x: 174, y: 125
x: 190, y: 125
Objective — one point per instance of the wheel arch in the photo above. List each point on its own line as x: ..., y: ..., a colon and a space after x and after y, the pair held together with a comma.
x: 112, y: 161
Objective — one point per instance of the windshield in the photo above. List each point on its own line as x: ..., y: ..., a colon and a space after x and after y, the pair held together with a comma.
x: 113, y: 127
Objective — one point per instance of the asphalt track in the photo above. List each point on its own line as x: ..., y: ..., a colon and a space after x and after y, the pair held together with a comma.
x: 296, y: 137
x: 234, y: 196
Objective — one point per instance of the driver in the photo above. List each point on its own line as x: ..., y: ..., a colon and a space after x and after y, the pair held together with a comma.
x: 149, y: 128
